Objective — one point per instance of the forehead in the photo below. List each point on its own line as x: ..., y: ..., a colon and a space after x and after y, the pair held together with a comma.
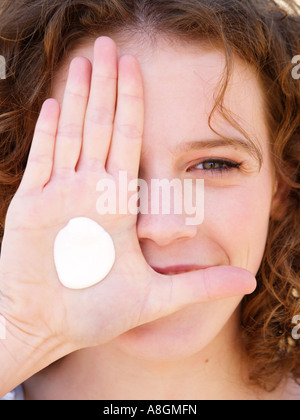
x: 181, y: 82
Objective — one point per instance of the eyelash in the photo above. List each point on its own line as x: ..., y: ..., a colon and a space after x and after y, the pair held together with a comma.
x: 227, y: 166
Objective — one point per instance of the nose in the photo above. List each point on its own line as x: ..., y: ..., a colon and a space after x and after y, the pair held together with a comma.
x: 164, y: 229
x: 163, y: 219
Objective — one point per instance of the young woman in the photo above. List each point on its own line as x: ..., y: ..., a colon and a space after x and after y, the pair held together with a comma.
x: 188, y: 90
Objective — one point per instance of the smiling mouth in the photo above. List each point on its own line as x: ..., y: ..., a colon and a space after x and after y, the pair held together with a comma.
x: 179, y: 269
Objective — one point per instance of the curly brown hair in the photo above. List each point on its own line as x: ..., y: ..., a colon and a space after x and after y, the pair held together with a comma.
x: 35, y: 37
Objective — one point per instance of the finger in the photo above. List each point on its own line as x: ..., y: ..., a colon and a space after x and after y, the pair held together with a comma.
x: 100, y: 112
x: 40, y: 160
x: 171, y: 293
x: 70, y: 128
x: 125, y: 148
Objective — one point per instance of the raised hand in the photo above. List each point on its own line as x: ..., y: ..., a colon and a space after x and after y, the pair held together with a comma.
x: 96, y: 133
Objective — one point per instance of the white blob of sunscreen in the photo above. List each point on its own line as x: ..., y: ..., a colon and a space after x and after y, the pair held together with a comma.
x: 84, y: 253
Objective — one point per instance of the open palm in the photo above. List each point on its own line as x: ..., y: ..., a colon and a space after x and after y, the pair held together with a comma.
x: 86, y: 140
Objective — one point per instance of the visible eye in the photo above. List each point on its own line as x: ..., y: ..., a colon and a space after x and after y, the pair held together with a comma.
x: 216, y: 166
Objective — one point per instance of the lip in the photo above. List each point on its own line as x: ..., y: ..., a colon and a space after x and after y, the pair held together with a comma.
x: 179, y: 269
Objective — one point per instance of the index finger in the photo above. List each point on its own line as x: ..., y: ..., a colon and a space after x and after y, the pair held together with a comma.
x: 125, y: 150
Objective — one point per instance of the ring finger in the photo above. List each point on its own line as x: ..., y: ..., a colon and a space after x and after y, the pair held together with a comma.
x: 70, y: 128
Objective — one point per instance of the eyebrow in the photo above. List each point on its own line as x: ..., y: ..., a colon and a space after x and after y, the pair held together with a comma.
x: 245, y: 145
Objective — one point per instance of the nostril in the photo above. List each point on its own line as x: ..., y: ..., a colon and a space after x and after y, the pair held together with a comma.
x: 163, y: 230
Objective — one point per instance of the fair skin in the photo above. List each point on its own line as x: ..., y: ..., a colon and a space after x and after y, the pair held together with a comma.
x: 189, y: 349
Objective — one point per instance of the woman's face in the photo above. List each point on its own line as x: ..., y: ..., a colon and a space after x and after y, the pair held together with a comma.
x: 180, y: 84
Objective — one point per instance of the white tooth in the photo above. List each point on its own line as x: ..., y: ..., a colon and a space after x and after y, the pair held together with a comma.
x: 84, y: 253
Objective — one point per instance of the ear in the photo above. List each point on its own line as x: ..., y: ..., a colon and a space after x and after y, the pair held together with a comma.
x: 280, y: 199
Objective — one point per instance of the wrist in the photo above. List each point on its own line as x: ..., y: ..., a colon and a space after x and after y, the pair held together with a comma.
x: 21, y: 356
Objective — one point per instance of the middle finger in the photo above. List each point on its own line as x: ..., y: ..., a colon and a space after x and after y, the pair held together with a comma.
x: 101, y: 106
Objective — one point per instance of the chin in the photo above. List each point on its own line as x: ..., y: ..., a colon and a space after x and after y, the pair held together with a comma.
x: 184, y: 334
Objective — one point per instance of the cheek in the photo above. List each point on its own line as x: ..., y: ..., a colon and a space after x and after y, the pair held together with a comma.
x: 237, y: 219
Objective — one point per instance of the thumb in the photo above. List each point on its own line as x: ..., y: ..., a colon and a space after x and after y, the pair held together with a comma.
x: 169, y: 294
